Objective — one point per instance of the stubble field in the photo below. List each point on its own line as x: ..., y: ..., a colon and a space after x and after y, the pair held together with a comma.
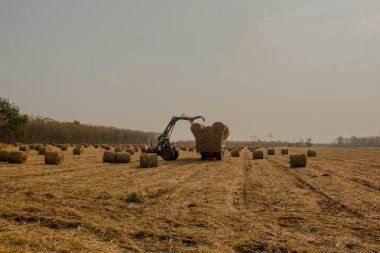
x: 234, y: 205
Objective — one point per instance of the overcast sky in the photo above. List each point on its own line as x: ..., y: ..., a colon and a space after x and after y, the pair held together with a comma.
x: 295, y: 68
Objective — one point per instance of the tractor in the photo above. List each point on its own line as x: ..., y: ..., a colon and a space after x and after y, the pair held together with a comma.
x: 164, y: 148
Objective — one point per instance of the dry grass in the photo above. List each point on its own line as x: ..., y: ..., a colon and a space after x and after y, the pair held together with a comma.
x: 234, y: 205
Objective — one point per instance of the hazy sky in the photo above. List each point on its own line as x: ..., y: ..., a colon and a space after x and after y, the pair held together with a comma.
x: 296, y: 68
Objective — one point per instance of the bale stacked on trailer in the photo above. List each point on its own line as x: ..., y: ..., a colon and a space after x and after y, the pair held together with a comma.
x: 258, y: 154
x: 311, y: 153
x: 17, y: 157
x: 298, y: 160
x: 210, y: 139
x: 54, y: 157
x: 148, y: 160
x: 4, y: 155
x: 284, y: 151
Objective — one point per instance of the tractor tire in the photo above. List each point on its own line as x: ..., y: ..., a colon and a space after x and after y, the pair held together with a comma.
x: 168, y: 154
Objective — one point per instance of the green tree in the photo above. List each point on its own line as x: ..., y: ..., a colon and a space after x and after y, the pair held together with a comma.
x: 11, y: 121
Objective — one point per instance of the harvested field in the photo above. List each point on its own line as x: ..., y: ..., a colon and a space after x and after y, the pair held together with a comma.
x: 189, y: 205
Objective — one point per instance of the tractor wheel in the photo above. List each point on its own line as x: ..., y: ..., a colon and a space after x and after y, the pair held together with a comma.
x: 168, y: 154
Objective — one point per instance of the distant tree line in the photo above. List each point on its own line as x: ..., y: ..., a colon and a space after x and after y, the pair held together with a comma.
x: 353, y: 141
x: 17, y: 127
x: 50, y: 131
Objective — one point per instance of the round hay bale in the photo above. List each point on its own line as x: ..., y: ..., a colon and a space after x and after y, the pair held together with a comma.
x: 271, y: 151
x: 144, y: 149
x: 130, y: 151
x: 123, y: 157
x: 196, y: 128
x: 96, y: 146
x: 17, y: 157
x: 191, y: 149
x: 4, y: 155
x: 258, y: 154
x: 118, y: 149
x: 63, y: 148
x: 148, y: 160
x: 37, y: 147
x: 78, y: 150
x: 107, y: 147
x: 311, y: 153
x: 298, y: 160
x: 183, y: 148
x: 54, y: 157
x: 16, y: 145
x: 86, y: 146
x: 32, y: 146
x: 235, y: 153
x: 136, y: 149
x: 109, y: 156
x: 284, y: 151
x: 219, y: 127
x: 43, y: 150
x: 24, y: 148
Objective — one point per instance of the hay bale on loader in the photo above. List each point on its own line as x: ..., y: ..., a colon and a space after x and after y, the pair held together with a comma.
x: 311, y: 153
x: 271, y: 151
x: 17, y: 157
x: 109, y: 156
x: 148, y: 160
x: 43, y: 150
x: 298, y: 160
x: 4, y: 155
x: 284, y: 151
x: 258, y: 154
x: 24, y: 148
x: 78, y: 150
x: 235, y: 153
x: 123, y: 157
x: 54, y: 157
x: 210, y: 140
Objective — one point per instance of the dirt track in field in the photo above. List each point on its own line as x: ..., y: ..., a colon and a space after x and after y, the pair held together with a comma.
x: 234, y: 205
